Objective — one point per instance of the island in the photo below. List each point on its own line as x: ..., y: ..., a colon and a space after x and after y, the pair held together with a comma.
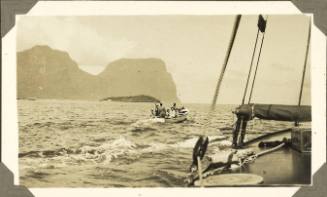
x: 138, y: 98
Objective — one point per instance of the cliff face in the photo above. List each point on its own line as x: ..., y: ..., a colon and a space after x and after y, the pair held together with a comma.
x: 46, y: 73
x: 127, y: 77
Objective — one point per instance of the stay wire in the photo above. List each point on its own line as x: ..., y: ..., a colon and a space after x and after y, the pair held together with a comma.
x: 257, y: 65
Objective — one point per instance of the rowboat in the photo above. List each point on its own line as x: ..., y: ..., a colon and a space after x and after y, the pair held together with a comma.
x: 181, y: 116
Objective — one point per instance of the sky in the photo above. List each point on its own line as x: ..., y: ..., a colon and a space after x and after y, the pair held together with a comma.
x: 193, y: 48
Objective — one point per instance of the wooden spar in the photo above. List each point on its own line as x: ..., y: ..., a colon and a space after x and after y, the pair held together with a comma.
x: 256, y: 68
x: 230, y: 46
x: 251, y: 65
x: 305, y: 63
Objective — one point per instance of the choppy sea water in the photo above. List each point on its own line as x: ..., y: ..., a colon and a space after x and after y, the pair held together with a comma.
x: 66, y: 143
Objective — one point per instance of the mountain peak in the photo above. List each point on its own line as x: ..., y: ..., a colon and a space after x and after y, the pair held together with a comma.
x: 44, y: 72
x: 136, y: 64
x: 45, y: 50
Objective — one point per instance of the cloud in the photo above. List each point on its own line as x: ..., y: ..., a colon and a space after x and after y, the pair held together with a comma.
x: 84, y: 43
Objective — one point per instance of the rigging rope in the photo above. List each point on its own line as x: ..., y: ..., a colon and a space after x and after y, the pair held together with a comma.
x: 304, y: 68
x: 257, y: 65
x: 305, y: 63
x: 251, y: 65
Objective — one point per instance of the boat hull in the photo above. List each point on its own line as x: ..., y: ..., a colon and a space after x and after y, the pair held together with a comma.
x: 176, y: 119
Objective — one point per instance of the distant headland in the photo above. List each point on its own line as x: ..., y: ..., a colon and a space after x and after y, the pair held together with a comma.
x: 138, y: 98
x: 46, y: 73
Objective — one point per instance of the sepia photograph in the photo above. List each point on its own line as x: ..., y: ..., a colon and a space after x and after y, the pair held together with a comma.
x: 164, y: 100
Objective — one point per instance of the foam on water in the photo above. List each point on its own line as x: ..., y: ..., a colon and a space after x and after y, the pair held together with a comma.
x: 117, y: 149
x: 189, y: 143
x: 78, y: 141
x: 146, y: 124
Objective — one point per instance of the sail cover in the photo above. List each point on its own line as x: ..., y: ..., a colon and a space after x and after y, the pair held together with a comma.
x: 275, y: 112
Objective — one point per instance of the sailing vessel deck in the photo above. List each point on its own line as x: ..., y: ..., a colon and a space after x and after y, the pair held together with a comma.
x: 284, y: 166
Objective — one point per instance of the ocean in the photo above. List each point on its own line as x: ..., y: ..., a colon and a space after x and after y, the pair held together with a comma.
x: 65, y: 143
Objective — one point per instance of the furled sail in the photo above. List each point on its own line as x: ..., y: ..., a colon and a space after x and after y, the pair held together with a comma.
x: 275, y: 112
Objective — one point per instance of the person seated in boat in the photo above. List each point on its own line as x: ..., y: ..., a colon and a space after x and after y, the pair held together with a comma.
x: 159, y: 109
x: 156, y: 110
x: 163, y: 113
x: 174, y: 107
x: 168, y: 113
x: 173, y: 110
x: 173, y: 113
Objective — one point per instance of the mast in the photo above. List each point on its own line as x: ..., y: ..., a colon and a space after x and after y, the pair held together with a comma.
x: 202, y: 143
x: 230, y: 46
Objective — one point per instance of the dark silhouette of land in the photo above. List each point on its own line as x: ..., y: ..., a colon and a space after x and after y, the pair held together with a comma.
x: 45, y: 73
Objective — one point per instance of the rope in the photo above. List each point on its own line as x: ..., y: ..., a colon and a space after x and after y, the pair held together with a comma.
x: 270, y: 150
x: 247, y: 160
x: 252, y: 158
x: 251, y: 65
x: 304, y: 70
x: 266, y: 135
x: 256, y: 68
x: 305, y: 63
